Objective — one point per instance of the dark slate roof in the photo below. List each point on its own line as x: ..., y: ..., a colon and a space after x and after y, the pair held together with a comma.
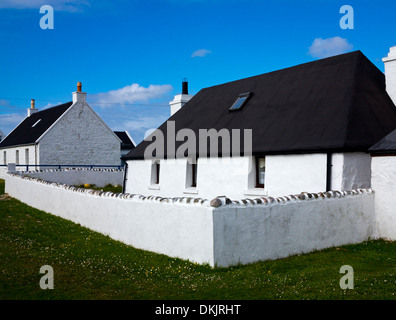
x: 386, y: 146
x: 126, y: 142
x: 25, y: 133
x: 336, y: 104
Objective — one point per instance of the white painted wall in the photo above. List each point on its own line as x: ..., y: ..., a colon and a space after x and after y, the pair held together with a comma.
x: 384, y: 184
x: 390, y: 73
x: 177, y: 229
x: 245, y: 234
x: 11, y: 155
x: 215, y: 177
x: 235, y: 177
x: 79, y: 176
x: 222, y: 235
x: 356, y: 171
x: 79, y: 137
x: 290, y: 174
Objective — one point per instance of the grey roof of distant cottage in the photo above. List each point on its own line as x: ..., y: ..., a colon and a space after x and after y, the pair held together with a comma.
x: 386, y: 146
x: 337, y: 104
x: 126, y: 142
x: 25, y: 133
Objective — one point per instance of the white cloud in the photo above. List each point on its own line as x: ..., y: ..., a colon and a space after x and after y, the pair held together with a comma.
x: 144, y: 123
x: 200, y: 53
x: 62, y: 5
x: 9, y: 121
x: 323, y: 48
x: 138, y: 125
x: 131, y: 94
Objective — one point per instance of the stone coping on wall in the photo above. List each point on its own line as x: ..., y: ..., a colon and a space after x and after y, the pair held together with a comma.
x: 69, y: 169
x: 219, y: 201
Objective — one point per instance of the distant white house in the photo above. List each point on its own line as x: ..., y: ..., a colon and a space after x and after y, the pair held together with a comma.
x: 1, y: 135
x: 68, y: 134
x: 312, y: 126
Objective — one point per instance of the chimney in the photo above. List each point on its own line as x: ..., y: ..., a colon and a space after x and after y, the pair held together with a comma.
x: 79, y: 96
x: 181, y: 99
x: 390, y: 73
x: 32, y: 108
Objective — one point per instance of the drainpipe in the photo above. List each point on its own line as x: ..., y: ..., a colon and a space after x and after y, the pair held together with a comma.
x: 328, y: 171
x: 125, y: 177
x: 35, y: 156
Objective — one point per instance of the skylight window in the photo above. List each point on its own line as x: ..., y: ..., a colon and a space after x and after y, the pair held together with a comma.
x: 240, y: 101
x: 36, y: 123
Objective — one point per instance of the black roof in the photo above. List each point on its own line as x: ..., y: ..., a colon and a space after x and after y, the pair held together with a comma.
x: 336, y: 104
x: 126, y: 142
x: 386, y: 146
x: 27, y: 132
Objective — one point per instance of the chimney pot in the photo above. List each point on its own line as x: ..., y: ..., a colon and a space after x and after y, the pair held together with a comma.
x: 32, y: 108
x: 181, y: 99
x: 184, y: 86
x: 79, y: 96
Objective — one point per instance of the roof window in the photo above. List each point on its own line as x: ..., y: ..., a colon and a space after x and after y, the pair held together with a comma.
x: 240, y: 101
x: 36, y: 123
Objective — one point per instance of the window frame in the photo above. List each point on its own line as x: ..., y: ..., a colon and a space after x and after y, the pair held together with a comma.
x: 245, y: 95
x: 194, y: 175
x: 258, y: 184
x: 157, y: 172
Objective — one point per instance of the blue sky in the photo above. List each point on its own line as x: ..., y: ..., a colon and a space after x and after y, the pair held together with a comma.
x: 131, y: 56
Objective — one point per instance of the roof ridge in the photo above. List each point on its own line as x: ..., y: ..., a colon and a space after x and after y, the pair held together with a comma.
x: 304, y: 64
x: 53, y: 107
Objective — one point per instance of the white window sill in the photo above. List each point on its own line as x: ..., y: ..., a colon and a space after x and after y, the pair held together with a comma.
x: 255, y: 192
x: 154, y: 187
x: 191, y: 191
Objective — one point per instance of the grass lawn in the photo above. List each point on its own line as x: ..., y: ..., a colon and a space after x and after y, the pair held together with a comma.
x: 88, y: 265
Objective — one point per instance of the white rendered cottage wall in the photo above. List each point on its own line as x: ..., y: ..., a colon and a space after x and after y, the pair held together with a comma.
x: 290, y: 174
x: 384, y: 184
x: 79, y: 137
x: 235, y: 177
x: 27, y: 152
x: 215, y: 177
x: 356, y: 171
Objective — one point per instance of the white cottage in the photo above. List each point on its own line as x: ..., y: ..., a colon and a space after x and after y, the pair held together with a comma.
x: 383, y: 164
x: 68, y: 134
x: 306, y: 128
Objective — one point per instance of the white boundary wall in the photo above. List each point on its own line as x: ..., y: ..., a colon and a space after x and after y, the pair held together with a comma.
x: 3, y: 171
x: 219, y: 232
x: 176, y: 229
x: 383, y: 180
x: 79, y: 176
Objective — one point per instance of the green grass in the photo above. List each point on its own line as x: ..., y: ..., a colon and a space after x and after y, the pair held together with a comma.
x: 106, y: 188
x: 88, y: 265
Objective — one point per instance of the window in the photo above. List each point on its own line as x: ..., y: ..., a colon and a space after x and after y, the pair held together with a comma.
x: 260, y: 172
x: 17, y: 157
x: 36, y: 123
x: 191, y: 176
x: 240, y: 101
x: 26, y: 156
x: 155, y: 172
